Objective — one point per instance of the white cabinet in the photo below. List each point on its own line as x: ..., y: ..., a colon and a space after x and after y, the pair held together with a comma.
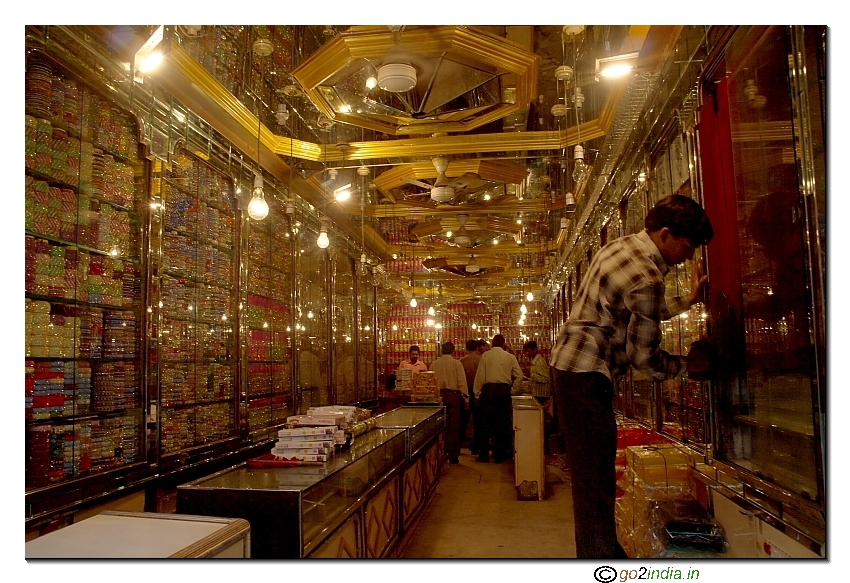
x: 530, y: 475
x: 140, y: 535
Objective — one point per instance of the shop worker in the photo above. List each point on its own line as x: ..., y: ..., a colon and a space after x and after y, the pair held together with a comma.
x: 498, y: 372
x: 451, y: 380
x: 474, y: 349
x: 412, y: 361
x: 615, y: 323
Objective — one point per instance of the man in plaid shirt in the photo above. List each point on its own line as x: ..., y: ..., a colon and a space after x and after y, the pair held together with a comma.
x: 615, y: 323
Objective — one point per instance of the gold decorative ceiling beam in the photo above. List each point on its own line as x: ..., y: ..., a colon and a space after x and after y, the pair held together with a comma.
x: 346, y: 53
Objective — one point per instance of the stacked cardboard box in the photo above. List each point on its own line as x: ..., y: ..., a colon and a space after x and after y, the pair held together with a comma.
x: 652, y: 473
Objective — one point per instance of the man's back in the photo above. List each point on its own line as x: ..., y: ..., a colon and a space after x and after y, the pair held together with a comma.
x: 616, y: 314
x: 470, y: 367
x: 449, y: 373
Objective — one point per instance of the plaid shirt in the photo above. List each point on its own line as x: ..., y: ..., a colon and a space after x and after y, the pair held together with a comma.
x: 616, y: 318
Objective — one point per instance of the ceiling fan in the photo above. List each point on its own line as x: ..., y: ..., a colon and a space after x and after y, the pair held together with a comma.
x: 464, y: 266
x: 444, y: 190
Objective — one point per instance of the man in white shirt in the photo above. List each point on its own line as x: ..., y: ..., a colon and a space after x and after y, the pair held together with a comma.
x: 451, y: 380
x: 497, y: 372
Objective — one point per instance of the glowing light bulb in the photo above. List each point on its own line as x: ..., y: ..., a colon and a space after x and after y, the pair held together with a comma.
x: 579, y: 167
x: 323, y: 240
x: 413, y: 302
x: 258, y: 208
x: 529, y: 297
x: 371, y: 82
x: 523, y: 310
x: 310, y: 314
x: 151, y: 62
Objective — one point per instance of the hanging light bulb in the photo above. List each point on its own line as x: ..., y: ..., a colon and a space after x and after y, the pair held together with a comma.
x: 578, y: 98
x: 431, y: 311
x: 323, y: 240
x: 579, y: 167
x: 282, y: 114
x: 429, y: 322
x: 523, y: 310
x: 413, y: 302
x: 564, y: 220
x: 529, y: 297
x: 258, y: 208
x: 310, y: 314
x: 570, y: 207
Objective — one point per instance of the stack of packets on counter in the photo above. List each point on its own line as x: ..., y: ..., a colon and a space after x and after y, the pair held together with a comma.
x: 404, y: 379
x: 356, y: 421
x: 653, y: 499
x: 425, y: 388
x: 305, y: 444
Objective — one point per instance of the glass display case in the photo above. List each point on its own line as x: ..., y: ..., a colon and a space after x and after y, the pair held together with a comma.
x: 192, y: 362
x: 408, y: 326
x: 770, y: 404
x: 420, y: 423
x: 466, y: 320
x: 267, y: 325
x: 84, y: 203
x: 311, y: 320
x: 367, y: 389
x: 535, y: 326
x: 292, y: 510
x: 344, y: 337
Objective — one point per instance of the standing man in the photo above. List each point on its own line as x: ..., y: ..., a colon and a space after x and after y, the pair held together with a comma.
x: 412, y: 361
x: 451, y: 380
x: 540, y: 384
x: 470, y: 362
x: 539, y: 373
x: 497, y: 372
x: 615, y: 323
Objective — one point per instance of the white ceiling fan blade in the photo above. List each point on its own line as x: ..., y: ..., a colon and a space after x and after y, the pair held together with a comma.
x: 417, y: 183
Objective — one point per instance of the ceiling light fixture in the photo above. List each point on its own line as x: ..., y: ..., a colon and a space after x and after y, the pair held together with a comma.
x: 343, y: 193
x: 396, y: 77
x: 616, y: 66
x: 462, y: 238
x: 151, y: 54
x: 282, y: 114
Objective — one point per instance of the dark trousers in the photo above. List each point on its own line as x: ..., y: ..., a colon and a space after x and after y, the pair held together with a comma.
x: 453, y: 402
x: 586, y: 416
x: 465, y: 416
x: 496, y: 429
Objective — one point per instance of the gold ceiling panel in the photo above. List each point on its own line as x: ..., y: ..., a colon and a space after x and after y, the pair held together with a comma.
x: 461, y: 44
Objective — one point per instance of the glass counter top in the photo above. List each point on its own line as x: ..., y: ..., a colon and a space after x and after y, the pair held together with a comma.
x: 421, y: 424
x: 304, y: 477
x: 404, y: 417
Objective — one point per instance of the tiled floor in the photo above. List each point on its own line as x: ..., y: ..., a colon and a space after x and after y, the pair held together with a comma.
x: 475, y: 514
